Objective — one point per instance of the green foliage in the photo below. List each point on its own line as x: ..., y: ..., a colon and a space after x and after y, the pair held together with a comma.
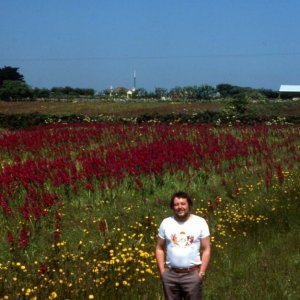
x: 12, y: 90
x: 41, y: 93
x: 232, y: 91
x: 10, y: 73
x: 69, y: 91
x: 22, y: 121
x: 224, y: 89
x: 205, y: 92
x: 236, y: 106
x: 160, y: 92
x: 140, y: 93
x: 234, y: 112
x: 202, y: 92
x: 268, y: 93
x: 228, y: 90
x: 255, y: 96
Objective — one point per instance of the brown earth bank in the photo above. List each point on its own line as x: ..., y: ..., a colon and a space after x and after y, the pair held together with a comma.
x: 134, y: 109
x: 94, y: 108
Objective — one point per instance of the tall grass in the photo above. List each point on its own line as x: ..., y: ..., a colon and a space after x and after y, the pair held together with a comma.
x: 264, y: 263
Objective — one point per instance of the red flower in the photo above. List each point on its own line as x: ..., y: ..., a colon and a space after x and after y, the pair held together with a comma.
x: 43, y: 268
x: 89, y: 186
x: 10, y: 238
x: 23, y: 239
x: 280, y: 174
x: 268, y: 178
x: 102, y: 226
x: 56, y: 235
x: 3, y: 203
x: 139, y: 183
x: 210, y: 206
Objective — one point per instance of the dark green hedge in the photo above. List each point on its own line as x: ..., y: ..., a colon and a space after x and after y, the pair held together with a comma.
x: 18, y: 121
x: 22, y: 121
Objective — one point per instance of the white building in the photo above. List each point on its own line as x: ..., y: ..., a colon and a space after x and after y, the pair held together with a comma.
x: 287, y: 90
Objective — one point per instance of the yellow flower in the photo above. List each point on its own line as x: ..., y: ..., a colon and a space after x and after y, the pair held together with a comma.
x: 125, y: 283
x: 53, y: 295
x: 91, y: 296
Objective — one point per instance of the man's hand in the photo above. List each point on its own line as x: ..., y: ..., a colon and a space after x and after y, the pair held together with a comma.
x: 160, y: 255
x: 201, y: 275
x: 162, y: 272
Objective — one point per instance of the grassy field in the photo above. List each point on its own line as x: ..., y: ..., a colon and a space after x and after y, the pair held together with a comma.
x: 95, y: 108
x: 263, y: 265
x: 134, y: 109
x: 81, y: 204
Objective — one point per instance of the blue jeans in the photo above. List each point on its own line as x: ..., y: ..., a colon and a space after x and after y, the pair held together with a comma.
x: 178, y: 286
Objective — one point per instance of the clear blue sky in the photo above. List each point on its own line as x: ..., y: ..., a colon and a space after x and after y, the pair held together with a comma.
x: 99, y: 43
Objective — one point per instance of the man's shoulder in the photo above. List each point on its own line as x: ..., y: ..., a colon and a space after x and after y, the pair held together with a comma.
x: 167, y: 220
x: 198, y: 219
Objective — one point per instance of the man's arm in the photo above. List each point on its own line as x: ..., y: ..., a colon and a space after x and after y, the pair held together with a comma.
x: 160, y: 254
x: 205, y: 247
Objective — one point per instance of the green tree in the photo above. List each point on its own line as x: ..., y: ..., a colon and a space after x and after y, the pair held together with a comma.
x: 10, y: 73
x: 228, y: 90
x: 120, y: 91
x: 11, y: 90
x: 106, y: 92
x: 206, y: 92
x: 270, y: 94
x: 85, y: 92
x: 140, y: 93
x: 41, y: 93
x: 160, y: 92
x: 177, y: 92
x: 190, y: 92
x: 224, y: 89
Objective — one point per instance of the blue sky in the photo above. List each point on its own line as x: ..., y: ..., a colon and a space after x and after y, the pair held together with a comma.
x: 98, y: 44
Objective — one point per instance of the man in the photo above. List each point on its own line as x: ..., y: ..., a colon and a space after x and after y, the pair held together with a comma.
x: 180, y: 240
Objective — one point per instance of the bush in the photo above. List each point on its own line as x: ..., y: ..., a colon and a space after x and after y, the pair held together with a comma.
x: 15, y: 90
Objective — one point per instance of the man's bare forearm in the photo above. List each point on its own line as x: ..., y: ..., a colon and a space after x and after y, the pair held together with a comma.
x: 160, y: 258
x: 206, y: 249
x: 205, y: 260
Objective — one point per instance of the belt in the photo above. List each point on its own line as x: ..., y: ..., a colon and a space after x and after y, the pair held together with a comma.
x: 185, y: 270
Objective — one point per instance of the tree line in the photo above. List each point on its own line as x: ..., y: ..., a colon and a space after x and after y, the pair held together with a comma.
x: 13, y: 87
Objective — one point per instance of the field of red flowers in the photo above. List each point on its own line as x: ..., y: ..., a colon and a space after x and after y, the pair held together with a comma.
x: 80, y: 203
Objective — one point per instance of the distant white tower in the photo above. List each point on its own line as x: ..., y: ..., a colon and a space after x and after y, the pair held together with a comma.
x: 134, y: 80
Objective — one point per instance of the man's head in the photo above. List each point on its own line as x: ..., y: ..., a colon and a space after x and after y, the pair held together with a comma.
x: 181, y: 204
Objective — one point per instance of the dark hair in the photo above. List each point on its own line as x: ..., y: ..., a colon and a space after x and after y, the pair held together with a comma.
x: 181, y: 195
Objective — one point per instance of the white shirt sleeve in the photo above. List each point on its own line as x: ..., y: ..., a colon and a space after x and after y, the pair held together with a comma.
x: 204, y: 229
x: 161, y: 230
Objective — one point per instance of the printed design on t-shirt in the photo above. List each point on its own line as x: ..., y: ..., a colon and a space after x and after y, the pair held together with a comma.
x: 182, y: 239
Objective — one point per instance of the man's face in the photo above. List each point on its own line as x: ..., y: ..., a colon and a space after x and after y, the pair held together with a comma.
x: 181, y: 208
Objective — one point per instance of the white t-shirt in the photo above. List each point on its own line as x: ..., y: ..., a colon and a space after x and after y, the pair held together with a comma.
x: 183, y: 240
